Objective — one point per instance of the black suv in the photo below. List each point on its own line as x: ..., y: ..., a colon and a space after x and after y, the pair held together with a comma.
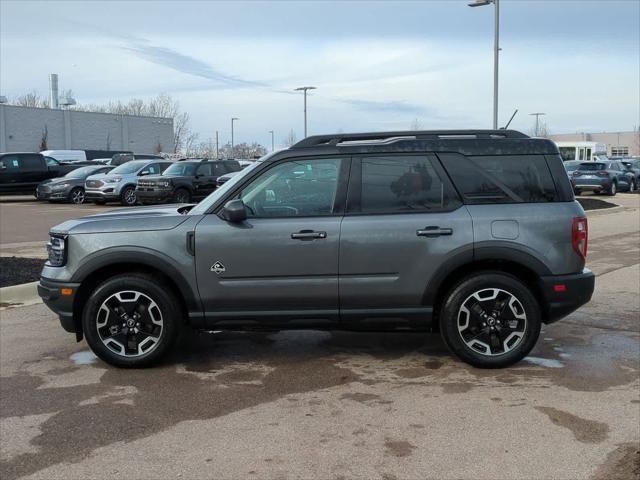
x: 184, y: 181
x: 22, y: 172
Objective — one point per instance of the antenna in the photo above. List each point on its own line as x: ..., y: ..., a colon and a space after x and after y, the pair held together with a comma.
x: 509, y: 122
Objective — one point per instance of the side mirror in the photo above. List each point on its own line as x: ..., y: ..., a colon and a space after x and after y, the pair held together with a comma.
x: 234, y: 211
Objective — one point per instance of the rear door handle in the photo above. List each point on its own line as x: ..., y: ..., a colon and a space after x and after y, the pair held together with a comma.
x: 308, y: 235
x: 433, y: 231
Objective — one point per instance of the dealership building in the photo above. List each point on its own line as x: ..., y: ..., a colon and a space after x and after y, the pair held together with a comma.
x: 26, y: 129
x: 619, y: 144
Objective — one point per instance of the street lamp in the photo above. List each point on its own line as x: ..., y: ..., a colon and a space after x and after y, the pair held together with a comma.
x: 537, y: 115
x: 272, y: 142
x: 496, y: 53
x: 304, y: 89
x: 233, y: 119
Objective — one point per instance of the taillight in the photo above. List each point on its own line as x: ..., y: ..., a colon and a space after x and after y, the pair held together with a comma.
x: 602, y: 174
x: 579, y: 236
x: 577, y: 172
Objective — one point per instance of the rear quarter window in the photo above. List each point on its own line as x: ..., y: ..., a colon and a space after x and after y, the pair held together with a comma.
x: 501, y: 179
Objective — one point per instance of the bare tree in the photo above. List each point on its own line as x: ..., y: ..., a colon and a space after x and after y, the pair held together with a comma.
x: 44, y: 141
x: 416, y: 125
x: 31, y: 99
x: 540, y: 129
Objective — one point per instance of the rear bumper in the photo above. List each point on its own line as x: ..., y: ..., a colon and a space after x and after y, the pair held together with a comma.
x: 590, y: 184
x: 564, y: 294
x: 61, y: 305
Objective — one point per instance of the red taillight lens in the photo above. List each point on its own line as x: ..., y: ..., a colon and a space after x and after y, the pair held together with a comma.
x: 603, y: 174
x: 577, y: 172
x: 580, y: 235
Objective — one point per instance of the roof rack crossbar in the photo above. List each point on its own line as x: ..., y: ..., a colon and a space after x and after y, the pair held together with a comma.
x: 345, y: 139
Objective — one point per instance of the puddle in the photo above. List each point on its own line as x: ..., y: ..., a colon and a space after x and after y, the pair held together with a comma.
x: 544, y: 362
x: 86, y: 357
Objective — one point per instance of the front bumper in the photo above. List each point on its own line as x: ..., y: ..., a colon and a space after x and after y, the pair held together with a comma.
x: 52, y: 194
x: 154, y: 196
x: 564, y: 294
x: 62, y: 305
x: 105, y: 194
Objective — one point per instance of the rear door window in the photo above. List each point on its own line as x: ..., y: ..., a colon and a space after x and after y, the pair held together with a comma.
x: 403, y: 184
x: 218, y: 169
x: 31, y: 162
x: 204, y: 169
x: 501, y: 179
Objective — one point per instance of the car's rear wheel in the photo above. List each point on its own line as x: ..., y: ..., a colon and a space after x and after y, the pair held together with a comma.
x: 76, y: 195
x: 577, y: 191
x: 613, y: 189
x: 131, y: 320
x: 490, y: 320
x: 128, y: 197
x: 182, y: 195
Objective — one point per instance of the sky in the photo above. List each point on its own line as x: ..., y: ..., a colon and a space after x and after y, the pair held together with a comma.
x: 376, y: 65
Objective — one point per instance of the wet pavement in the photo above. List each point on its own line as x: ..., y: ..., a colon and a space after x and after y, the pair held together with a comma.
x: 336, y: 404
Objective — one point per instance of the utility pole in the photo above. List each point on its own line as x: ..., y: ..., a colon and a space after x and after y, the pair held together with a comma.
x: 305, y: 89
x: 233, y: 119
x: 272, y: 141
x: 217, y: 154
x: 496, y: 52
x: 537, y: 115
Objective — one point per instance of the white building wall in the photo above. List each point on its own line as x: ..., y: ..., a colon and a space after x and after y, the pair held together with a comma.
x: 22, y: 128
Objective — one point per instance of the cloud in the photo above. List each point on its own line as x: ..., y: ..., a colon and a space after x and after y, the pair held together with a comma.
x: 395, y: 106
x: 180, y: 62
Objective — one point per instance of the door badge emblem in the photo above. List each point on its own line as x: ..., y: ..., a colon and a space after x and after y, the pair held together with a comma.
x: 218, y: 268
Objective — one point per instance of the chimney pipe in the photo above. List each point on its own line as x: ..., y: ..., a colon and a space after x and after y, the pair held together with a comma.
x: 53, y: 90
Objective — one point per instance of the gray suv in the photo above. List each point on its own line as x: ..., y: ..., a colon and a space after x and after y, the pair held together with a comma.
x: 472, y: 233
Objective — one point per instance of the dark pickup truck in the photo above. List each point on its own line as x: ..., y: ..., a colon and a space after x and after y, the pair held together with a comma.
x: 22, y: 172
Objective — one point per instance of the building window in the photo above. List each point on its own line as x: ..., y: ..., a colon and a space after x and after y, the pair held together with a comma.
x: 619, y: 151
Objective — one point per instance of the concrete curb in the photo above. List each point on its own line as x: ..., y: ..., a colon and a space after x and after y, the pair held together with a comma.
x: 24, y: 294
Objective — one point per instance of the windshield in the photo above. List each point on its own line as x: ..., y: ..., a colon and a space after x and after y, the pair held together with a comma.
x: 205, y: 204
x: 592, y: 167
x: 181, y: 169
x: 129, y: 167
x: 81, y: 172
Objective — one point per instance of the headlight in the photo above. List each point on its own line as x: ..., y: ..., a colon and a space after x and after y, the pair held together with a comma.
x: 112, y: 179
x: 57, y: 249
x: 59, y: 186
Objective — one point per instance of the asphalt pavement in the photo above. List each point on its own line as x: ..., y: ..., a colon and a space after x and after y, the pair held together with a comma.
x: 331, y: 405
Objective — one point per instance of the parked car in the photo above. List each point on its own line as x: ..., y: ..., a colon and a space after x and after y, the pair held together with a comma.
x: 80, y: 155
x: 633, y: 167
x: 475, y: 233
x: 22, y: 172
x: 119, y: 185
x: 69, y: 188
x: 601, y: 177
x: 222, y: 179
x: 184, y: 181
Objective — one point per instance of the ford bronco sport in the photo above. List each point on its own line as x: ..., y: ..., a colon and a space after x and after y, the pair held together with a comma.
x: 472, y: 233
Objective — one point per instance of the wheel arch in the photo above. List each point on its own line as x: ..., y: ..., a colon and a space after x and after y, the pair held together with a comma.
x: 517, y: 263
x: 115, y: 262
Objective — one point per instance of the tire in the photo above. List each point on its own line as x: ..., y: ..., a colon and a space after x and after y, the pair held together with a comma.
x: 182, y: 195
x: 515, y: 330
x: 128, y: 196
x: 76, y: 196
x: 613, y: 189
x: 159, y: 320
x: 99, y: 202
x: 633, y: 186
x: 577, y: 192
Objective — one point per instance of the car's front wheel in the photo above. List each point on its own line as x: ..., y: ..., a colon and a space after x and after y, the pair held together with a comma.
x: 613, y: 189
x: 77, y: 195
x: 490, y: 320
x: 182, y: 195
x: 131, y: 320
x: 128, y: 196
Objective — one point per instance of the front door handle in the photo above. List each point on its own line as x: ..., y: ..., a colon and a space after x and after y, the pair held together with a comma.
x: 308, y: 235
x: 433, y: 231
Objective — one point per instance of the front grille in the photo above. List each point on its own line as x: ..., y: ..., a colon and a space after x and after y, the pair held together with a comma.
x: 146, y: 183
x: 94, y: 183
x: 43, y: 189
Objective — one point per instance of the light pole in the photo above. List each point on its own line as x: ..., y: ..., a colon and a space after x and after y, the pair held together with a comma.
x: 537, y: 115
x: 305, y: 89
x: 496, y: 53
x: 217, y: 155
x: 272, y: 141
x: 233, y: 119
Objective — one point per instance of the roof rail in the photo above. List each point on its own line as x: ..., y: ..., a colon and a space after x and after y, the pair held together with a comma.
x: 345, y: 139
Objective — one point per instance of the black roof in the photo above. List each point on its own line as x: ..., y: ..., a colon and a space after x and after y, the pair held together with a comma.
x: 467, y: 142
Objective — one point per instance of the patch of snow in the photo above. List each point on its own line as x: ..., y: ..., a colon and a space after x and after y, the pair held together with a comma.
x: 86, y: 357
x: 544, y: 362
